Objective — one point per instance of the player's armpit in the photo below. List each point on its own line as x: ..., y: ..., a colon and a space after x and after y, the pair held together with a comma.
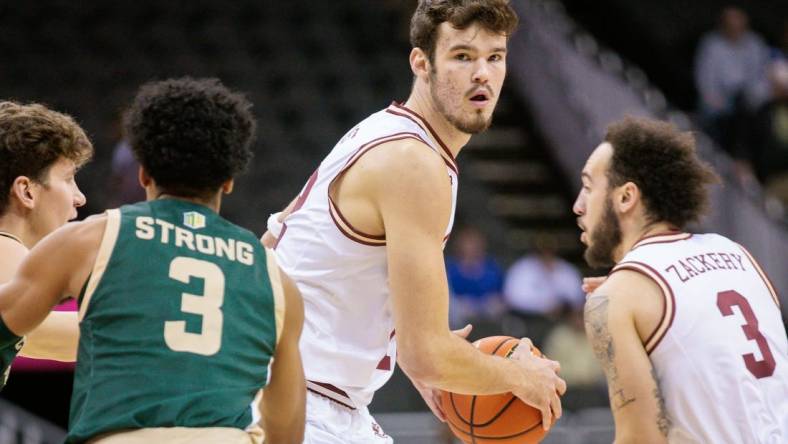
x: 57, y: 338
x: 635, y: 398
x: 284, y: 398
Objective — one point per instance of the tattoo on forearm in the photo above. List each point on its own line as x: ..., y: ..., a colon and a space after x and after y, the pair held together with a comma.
x: 663, y: 422
x: 619, y: 399
x: 596, y: 329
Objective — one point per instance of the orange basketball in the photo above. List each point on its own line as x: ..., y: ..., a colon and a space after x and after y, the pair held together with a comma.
x: 493, y: 419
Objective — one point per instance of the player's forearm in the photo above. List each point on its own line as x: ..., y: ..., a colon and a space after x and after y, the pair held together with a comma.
x: 56, y: 338
x: 638, y: 434
x: 452, y: 364
x: 284, y: 421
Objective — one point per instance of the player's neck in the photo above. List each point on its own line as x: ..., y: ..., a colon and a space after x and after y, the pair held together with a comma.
x: 213, y: 203
x: 19, y: 228
x: 421, y: 103
x: 632, y: 236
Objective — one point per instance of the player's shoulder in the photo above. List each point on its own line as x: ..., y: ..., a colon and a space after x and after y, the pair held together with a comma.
x: 629, y: 287
x: 89, y: 230
x: 404, y: 159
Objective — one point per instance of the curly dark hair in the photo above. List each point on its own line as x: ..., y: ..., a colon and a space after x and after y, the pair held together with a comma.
x: 190, y: 135
x: 493, y: 15
x: 663, y: 163
x: 34, y: 137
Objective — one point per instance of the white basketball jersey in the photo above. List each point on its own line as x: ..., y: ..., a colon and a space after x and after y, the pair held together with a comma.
x: 720, y: 353
x: 348, y: 343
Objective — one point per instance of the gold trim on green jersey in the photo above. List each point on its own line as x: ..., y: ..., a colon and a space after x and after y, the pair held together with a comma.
x: 278, y: 290
x: 108, y: 240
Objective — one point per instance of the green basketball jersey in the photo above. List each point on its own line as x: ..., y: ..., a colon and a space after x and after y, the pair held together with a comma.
x: 10, y: 344
x: 178, y: 322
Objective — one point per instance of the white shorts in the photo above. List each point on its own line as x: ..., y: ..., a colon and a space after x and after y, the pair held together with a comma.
x: 328, y: 422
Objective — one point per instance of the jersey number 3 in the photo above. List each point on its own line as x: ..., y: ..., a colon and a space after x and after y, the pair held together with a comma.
x: 760, y: 369
x: 208, y: 305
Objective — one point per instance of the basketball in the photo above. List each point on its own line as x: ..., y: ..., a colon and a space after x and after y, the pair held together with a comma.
x: 493, y: 419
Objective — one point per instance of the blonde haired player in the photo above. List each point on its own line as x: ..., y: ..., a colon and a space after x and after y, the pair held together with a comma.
x: 363, y: 241
x: 687, y: 326
x: 41, y: 151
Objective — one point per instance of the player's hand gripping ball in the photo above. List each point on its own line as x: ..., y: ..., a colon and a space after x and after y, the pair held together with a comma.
x: 493, y: 419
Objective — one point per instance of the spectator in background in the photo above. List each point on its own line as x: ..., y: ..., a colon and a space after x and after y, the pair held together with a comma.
x: 539, y: 285
x: 730, y: 75
x: 567, y: 344
x: 124, y: 184
x: 475, y: 279
x: 770, y: 128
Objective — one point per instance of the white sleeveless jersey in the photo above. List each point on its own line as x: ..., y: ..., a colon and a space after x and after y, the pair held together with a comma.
x: 348, y: 343
x: 720, y: 353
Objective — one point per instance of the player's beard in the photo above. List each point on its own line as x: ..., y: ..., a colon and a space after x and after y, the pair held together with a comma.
x: 604, y: 239
x: 473, y: 125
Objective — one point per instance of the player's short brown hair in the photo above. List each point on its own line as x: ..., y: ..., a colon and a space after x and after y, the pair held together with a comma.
x: 32, y: 138
x: 663, y: 163
x: 496, y: 16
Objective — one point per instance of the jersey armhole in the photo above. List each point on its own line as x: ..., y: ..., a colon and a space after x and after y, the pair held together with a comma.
x: 278, y: 291
x: 668, y: 305
x: 342, y: 224
x: 108, y: 240
x: 764, y: 277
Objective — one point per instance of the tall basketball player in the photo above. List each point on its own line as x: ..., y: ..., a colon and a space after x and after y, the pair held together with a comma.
x: 182, y: 313
x: 364, y: 239
x: 41, y: 151
x: 687, y: 326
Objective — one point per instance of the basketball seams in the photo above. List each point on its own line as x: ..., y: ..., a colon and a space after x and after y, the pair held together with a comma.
x: 469, y: 430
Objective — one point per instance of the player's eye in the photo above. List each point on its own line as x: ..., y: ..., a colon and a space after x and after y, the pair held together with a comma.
x: 462, y: 57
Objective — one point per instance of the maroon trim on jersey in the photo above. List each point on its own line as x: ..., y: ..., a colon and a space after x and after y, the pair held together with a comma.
x: 425, y: 123
x: 764, y: 276
x: 353, y: 234
x: 447, y: 158
x: 344, y: 226
x: 377, y: 142
x: 635, y: 266
x: 299, y: 203
x: 342, y: 397
x: 653, y: 239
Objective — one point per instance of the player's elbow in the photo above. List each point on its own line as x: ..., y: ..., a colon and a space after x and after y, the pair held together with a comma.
x: 286, y: 437
x: 285, y: 432
x: 420, y: 361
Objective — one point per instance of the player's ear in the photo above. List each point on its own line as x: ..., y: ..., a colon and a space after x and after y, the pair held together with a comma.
x: 419, y: 63
x: 628, y: 197
x: 227, y: 187
x: 24, y: 191
x: 143, y: 177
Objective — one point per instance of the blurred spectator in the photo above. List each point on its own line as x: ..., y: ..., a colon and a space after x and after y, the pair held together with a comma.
x: 567, y: 344
x: 539, y: 285
x: 730, y: 75
x: 770, y: 127
x: 124, y: 185
x: 475, y: 279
